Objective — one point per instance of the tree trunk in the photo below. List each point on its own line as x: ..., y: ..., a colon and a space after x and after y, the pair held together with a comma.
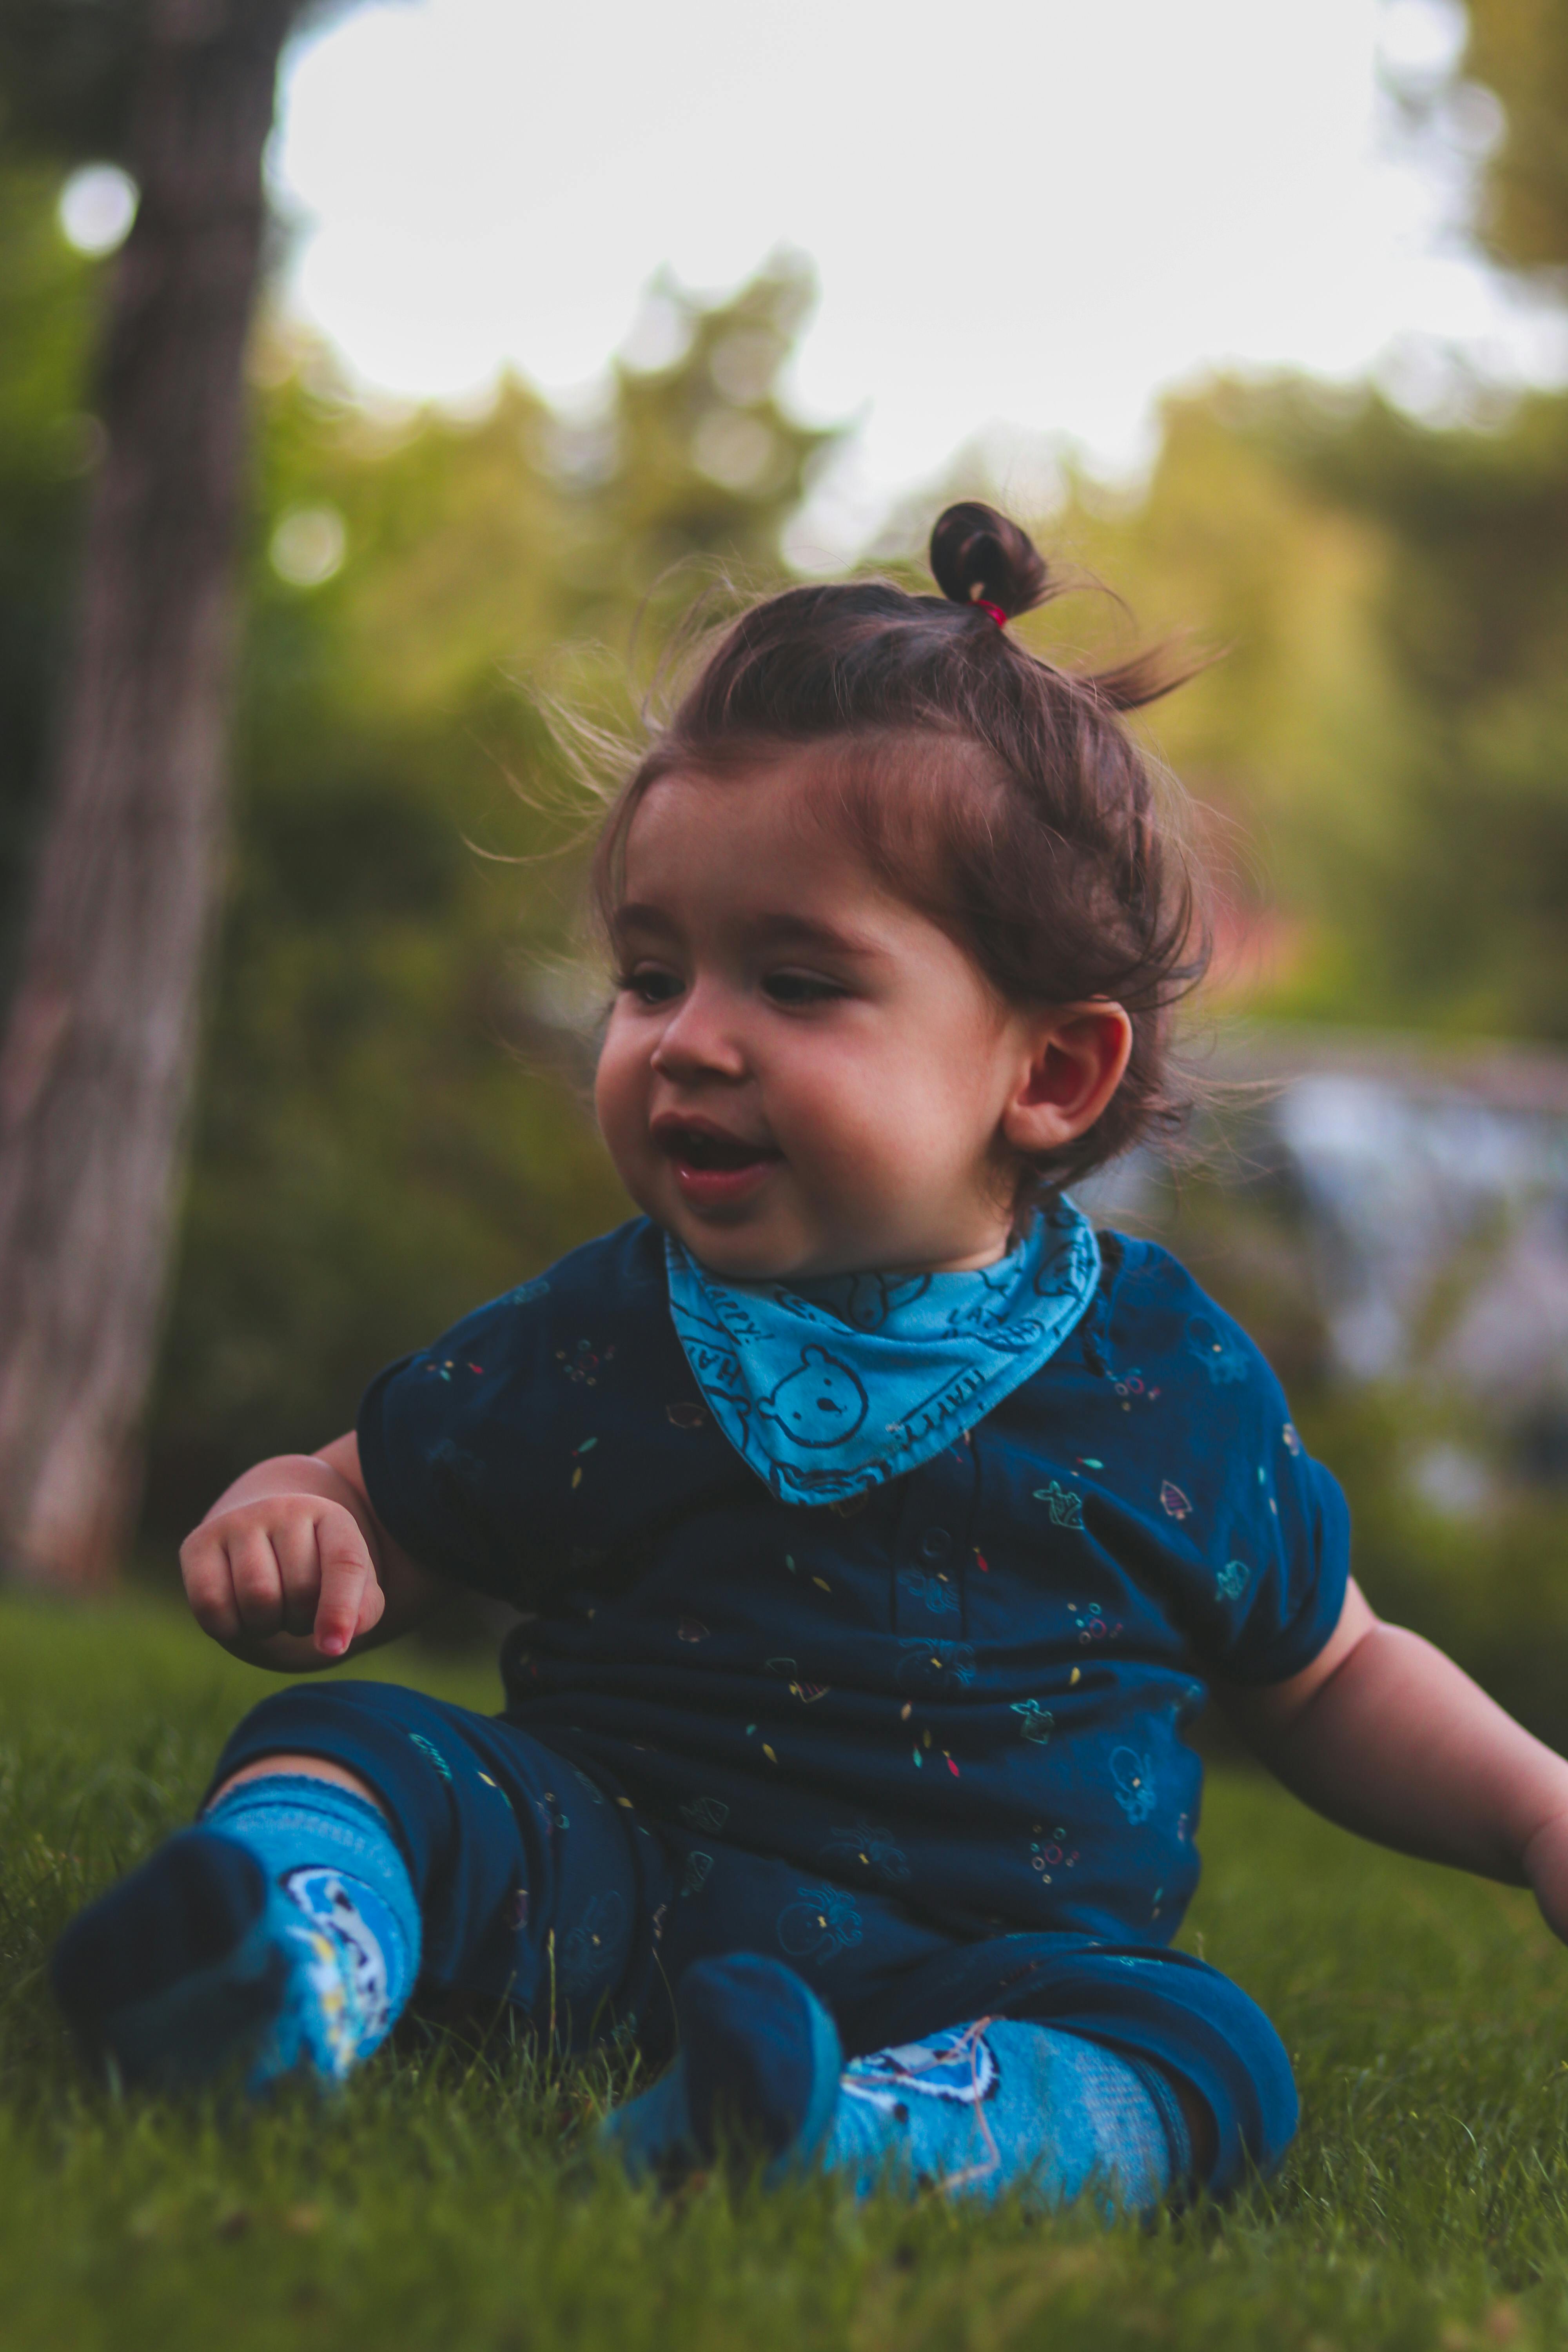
x: 97, y: 1063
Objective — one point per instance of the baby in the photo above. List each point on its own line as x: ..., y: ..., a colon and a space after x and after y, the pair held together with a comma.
x: 883, y: 1526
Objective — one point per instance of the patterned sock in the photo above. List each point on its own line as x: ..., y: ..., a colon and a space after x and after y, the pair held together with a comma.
x: 282, y: 1932
x: 975, y: 2110
x: 982, y: 2108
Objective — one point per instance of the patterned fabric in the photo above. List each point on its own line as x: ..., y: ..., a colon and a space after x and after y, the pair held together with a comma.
x: 965, y: 1691
x: 542, y: 1885
x: 978, y: 2110
x: 830, y: 1390
x: 996, y: 2107
x: 348, y: 1922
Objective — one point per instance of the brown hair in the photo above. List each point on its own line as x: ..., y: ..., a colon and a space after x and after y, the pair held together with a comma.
x: 999, y: 794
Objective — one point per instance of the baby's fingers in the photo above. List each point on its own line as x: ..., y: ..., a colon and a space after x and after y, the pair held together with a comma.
x: 293, y: 1540
x: 352, y: 1600
x: 209, y: 1585
x: 257, y: 1580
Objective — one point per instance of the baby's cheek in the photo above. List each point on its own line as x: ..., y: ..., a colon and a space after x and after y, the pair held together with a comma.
x: 847, y: 1130
x: 620, y: 1093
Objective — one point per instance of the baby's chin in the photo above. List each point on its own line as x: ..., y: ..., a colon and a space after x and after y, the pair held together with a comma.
x: 739, y: 1252
x: 730, y: 1256
x: 746, y: 1246
x: 733, y: 1258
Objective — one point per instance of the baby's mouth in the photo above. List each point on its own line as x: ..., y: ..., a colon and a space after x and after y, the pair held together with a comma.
x: 707, y: 1149
x: 716, y: 1172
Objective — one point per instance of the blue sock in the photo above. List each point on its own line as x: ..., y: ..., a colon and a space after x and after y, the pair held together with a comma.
x: 976, y: 2110
x: 1000, y: 2104
x: 281, y: 1932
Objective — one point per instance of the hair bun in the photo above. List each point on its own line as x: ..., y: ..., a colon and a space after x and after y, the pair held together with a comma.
x: 977, y: 554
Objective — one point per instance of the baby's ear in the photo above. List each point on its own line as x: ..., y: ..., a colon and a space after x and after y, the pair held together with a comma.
x: 814, y: 1355
x: 1077, y: 1058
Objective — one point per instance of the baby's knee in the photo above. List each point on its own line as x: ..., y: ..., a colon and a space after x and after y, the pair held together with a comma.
x: 347, y: 1733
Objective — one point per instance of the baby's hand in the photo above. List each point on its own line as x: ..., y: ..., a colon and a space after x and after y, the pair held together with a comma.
x: 289, y: 1564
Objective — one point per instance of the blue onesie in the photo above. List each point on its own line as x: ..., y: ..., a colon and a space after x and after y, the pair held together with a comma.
x: 924, y: 1744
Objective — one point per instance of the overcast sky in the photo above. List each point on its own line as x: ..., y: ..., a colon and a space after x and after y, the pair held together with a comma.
x: 1027, y: 216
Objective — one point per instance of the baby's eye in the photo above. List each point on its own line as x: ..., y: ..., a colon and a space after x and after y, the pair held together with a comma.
x: 649, y: 983
x: 801, y: 988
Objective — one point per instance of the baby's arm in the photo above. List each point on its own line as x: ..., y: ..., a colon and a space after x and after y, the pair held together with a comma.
x: 291, y: 1568
x: 1385, y: 1735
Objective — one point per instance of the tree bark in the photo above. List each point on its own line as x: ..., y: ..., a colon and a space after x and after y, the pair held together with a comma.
x: 97, y: 1063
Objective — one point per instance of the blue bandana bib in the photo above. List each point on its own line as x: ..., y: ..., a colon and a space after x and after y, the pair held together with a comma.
x: 834, y: 1388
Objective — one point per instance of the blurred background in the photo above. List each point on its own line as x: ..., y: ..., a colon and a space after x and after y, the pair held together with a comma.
x: 1259, y: 316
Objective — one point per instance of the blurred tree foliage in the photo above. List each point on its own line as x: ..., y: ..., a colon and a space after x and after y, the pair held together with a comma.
x: 1518, y: 50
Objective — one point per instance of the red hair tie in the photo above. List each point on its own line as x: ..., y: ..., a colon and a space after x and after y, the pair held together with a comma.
x: 997, y: 614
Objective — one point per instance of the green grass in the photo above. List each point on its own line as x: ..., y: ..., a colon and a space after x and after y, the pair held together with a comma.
x: 444, y: 2201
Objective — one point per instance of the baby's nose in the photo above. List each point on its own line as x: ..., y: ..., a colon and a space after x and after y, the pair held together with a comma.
x: 701, y: 1037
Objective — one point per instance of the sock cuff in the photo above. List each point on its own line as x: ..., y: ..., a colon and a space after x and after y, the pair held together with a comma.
x: 292, y: 1819
x: 306, y: 1792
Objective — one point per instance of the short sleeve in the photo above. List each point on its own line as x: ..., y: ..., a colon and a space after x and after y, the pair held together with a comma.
x: 1280, y: 1595
x: 1252, y: 1534
x: 1277, y: 1539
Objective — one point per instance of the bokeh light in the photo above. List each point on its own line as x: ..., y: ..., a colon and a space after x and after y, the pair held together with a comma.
x: 308, y: 546
x: 97, y: 206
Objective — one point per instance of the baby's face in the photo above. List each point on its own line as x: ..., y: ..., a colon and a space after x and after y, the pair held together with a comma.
x: 802, y: 1076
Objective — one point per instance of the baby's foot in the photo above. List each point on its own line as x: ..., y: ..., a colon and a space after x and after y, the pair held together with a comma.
x: 201, y: 1964
x: 980, y: 2110
x: 758, y: 2072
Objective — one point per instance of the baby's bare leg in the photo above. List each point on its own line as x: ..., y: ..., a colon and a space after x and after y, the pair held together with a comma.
x: 310, y: 1767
